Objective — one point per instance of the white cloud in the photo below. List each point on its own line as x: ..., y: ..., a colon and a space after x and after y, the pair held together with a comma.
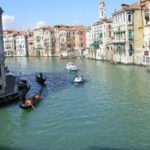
x: 8, y: 22
x: 40, y: 24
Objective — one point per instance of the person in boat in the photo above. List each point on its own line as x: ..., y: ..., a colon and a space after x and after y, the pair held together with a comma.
x: 23, y: 97
x: 6, y: 69
x: 28, y: 102
x: 36, y: 97
x: 23, y: 85
x: 41, y: 75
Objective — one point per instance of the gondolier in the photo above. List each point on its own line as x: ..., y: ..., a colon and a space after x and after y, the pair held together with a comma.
x: 40, y: 79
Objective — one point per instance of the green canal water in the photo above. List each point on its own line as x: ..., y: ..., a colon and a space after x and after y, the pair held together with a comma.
x: 110, y: 111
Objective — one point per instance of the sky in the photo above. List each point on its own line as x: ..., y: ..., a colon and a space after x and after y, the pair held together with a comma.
x: 28, y: 14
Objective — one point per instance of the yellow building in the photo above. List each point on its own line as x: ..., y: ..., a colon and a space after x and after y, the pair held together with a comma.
x: 139, y: 16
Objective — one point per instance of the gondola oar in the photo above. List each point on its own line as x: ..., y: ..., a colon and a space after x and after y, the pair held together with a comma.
x: 33, y: 107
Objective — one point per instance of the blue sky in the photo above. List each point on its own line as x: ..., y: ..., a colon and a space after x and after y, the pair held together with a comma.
x: 28, y: 13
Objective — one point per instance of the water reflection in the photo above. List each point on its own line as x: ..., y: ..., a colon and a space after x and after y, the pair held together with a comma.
x: 55, y: 82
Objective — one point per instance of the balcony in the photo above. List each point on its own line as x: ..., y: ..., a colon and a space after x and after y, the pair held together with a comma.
x: 119, y: 41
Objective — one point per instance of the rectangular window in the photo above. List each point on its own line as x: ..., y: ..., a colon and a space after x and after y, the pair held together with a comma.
x: 130, y: 19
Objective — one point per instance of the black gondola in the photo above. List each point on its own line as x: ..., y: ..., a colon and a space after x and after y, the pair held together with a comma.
x: 40, y: 79
x: 23, y: 85
x: 30, y: 102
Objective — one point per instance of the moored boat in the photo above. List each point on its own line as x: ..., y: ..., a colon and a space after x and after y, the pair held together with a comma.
x: 71, y: 67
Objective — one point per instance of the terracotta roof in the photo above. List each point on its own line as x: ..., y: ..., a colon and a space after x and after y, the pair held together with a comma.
x: 134, y: 6
x: 21, y: 33
x: 102, y: 21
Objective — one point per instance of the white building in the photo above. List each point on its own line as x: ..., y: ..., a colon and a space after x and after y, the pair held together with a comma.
x: 21, y: 44
x: 44, y: 41
x: 88, y: 37
x: 38, y: 41
x: 9, y: 38
x: 123, y: 35
x: 101, y: 35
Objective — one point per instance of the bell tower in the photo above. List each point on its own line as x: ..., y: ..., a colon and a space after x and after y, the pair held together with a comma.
x: 102, y: 10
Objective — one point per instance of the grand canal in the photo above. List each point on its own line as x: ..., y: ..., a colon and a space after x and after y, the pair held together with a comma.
x: 110, y: 111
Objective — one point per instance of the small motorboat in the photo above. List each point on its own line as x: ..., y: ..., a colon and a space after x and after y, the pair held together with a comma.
x: 40, y: 79
x: 79, y: 79
x: 30, y: 102
x: 71, y: 67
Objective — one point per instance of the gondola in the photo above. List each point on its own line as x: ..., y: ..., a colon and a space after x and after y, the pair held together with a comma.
x: 31, y: 102
x: 40, y: 79
x: 23, y: 86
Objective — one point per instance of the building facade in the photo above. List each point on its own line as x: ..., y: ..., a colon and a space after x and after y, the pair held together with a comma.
x: 31, y: 51
x: 128, y: 28
x: 9, y: 38
x: 146, y: 52
x: 101, y: 36
x: 21, y: 44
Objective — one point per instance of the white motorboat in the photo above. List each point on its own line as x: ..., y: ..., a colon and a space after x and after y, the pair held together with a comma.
x: 71, y: 67
x: 79, y: 79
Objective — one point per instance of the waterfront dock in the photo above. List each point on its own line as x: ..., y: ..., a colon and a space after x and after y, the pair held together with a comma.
x: 11, y: 89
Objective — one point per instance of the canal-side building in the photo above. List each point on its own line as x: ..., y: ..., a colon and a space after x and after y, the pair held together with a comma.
x: 80, y: 39
x: 70, y: 41
x: 94, y: 51
x: 123, y: 28
x: 21, y: 44
x: 88, y: 37
x: 48, y: 38
x: 59, y: 40
x: 101, y: 35
x: 139, y: 23
x: 31, y: 51
x: 146, y: 52
x: 9, y: 38
x: 43, y: 41
x: 63, y: 38
x: 38, y: 41
x: 128, y: 33
x: 88, y: 41
x: 105, y: 36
